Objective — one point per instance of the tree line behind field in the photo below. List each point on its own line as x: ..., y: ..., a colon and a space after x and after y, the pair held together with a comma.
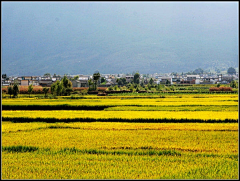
x: 64, y: 87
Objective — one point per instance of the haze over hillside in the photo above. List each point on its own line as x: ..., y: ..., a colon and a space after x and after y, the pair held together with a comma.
x: 118, y: 37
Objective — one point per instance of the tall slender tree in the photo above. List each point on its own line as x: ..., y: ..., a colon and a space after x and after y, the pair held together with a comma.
x: 45, y: 90
x: 136, y: 78
x: 15, y: 89
x: 90, y: 83
x: 10, y: 90
x: 30, y: 89
x: 96, y: 77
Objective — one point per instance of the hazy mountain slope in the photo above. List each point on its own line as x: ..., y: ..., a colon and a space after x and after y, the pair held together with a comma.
x: 117, y: 38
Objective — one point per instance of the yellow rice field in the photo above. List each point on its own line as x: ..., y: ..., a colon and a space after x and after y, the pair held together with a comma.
x: 123, y: 150
x: 126, y: 151
x: 217, y: 100
x: 202, y: 115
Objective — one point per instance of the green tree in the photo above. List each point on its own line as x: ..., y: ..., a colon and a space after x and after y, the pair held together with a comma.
x: 160, y: 87
x: 218, y: 85
x: 10, y: 90
x: 68, y: 91
x: 53, y: 88
x: 47, y: 75
x: 65, y: 81
x: 76, y: 77
x: 15, y: 89
x: 30, y: 89
x: 168, y: 82
x: 124, y: 88
x: 115, y: 87
x: 124, y: 80
x: 231, y: 71
x: 110, y: 88
x: 151, y: 82
x: 138, y: 88
x: 103, y: 79
x: 96, y: 77
x: 4, y: 76
x: 65, y: 86
x: 131, y: 88
x: 45, y: 90
x: 120, y: 82
x: 233, y: 84
x: 172, y: 88
x: 90, y: 84
x: 136, y: 78
x: 59, y: 88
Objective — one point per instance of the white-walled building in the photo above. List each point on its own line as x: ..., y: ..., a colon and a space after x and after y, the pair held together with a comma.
x: 194, y: 77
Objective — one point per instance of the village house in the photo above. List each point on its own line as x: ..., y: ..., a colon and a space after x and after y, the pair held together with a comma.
x: 209, y: 79
x: 82, y: 81
x: 46, y: 82
x: 184, y: 81
x: 228, y: 78
x: 56, y: 77
x: 194, y: 78
x: 28, y: 80
x: 163, y: 80
x: 176, y: 80
x: 129, y: 78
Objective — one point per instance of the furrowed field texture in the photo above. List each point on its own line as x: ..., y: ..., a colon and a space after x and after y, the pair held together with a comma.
x: 184, y: 136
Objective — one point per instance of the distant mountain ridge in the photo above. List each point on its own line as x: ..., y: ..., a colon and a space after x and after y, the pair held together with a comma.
x: 83, y: 38
x: 143, y: 58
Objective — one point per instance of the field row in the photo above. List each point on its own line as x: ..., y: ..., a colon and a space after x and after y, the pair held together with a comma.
x: 124, y: 108
x: 101, y: 150
x: 128, y: 101
x: 9, y: 127
x: 187, y: 140
x: 102, y: 166
x: 121, y: 115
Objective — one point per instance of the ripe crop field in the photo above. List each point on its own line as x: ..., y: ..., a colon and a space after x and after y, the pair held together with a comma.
x: 102, y: 150
x: 121, y: 137
x: 122, y: 115
x: 185, y: 100
x: 173, y: 108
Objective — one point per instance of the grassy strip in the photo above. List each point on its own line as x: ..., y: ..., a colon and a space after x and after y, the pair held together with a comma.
x: 9, y: 127
x: 121, y: 152
x: 19, y: 148
x: 53, y: 107
x: 173, y: 92
x: 124, y: 151
x: 174, y: 108
x: 124, y: 108
x: 138, y: 120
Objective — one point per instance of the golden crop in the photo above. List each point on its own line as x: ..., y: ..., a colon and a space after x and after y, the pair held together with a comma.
x: 14, y: 127
x: 183, y: 140
x: 93, y: 166
x: 207, y: 152
x: 202, y: 115
x: 123, y: 150
x: 124, y: 101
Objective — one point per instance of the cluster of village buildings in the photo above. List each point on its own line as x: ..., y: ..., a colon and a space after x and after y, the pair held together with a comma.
x: 111, y: 79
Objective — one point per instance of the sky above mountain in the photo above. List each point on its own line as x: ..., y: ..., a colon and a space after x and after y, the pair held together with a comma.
x: 118, y: 37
